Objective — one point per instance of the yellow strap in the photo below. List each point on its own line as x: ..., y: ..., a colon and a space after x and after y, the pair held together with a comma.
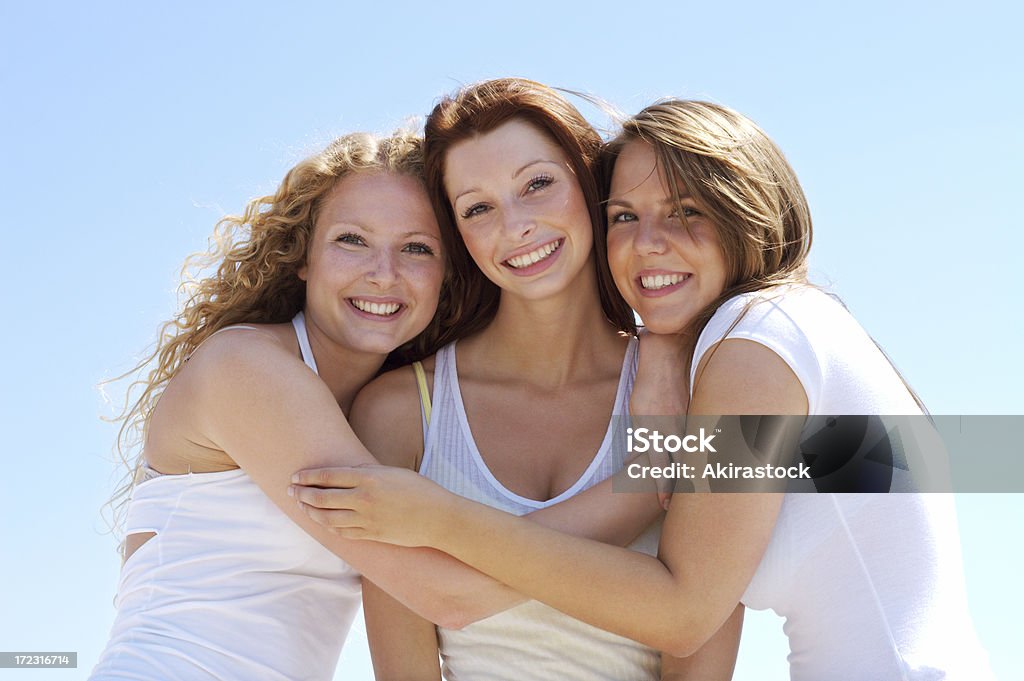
x: 421, y: 382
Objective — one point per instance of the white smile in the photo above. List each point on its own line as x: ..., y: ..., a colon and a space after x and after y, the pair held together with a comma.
x: 657, y: 281
x: 379, y: 309
x: 533, y: 257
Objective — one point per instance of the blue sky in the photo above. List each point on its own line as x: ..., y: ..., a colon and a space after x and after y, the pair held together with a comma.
x: 127, y: 129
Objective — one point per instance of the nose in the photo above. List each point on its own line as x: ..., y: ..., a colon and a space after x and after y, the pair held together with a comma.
x: 518, y: 223
x: 649, y: 238
x: 383, y: 270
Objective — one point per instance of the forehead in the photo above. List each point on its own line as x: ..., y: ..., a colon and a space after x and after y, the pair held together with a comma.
x: 379, y: 200
x: 500, y: 152
x: 638, y: 171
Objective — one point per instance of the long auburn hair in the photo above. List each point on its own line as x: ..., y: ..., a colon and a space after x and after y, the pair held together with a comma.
x: 478, y: 109
x: 255, y: 258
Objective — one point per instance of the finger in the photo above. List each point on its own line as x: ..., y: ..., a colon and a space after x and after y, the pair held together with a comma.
x: 336, y: 520
x: 342, y: 476
x: 323, y: 498
x: 352, y: 533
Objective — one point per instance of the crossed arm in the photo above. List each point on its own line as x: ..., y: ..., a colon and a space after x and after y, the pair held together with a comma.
x: 403, y: 645
x: 711, y: 543
x: 262, y: 406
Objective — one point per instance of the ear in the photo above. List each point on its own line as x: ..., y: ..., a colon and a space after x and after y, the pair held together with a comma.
x: 303, y: 272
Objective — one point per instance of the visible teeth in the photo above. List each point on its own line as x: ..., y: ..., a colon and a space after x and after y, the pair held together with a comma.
x: 533, y: 257
x: 382, y: 309
x: 657, y: 281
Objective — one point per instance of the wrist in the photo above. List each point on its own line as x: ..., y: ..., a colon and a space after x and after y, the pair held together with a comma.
x: 449, y: 520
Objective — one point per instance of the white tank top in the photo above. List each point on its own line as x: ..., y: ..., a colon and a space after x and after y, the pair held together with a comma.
x: 531, y: 640
x: 871, y: 585
x: 229, y: 588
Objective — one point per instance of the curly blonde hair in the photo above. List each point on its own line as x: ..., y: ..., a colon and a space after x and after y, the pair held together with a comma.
x: 257, y: 256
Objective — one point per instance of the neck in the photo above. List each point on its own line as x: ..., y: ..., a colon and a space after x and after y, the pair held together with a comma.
x: 343, y: 370
x: 550, y: 342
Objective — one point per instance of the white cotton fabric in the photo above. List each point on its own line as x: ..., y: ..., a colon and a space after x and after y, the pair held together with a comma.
x: 871, y: 586
x: 229, y: 588
x: 530, y: 641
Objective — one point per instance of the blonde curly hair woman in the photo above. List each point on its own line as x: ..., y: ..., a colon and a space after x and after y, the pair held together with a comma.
x: 315, y: 288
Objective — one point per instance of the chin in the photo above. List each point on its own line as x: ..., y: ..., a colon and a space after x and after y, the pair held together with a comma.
x: 661, y: 325
x: 375, y: 346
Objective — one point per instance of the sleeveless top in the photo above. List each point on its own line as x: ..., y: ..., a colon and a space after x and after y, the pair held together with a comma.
x: 871, y: 585
x: 229, y: 588
x: 531, y: 640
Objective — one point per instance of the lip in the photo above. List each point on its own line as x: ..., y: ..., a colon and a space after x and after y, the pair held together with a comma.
x: 379, y: 301
x: 665, y: 290
x: 538, y: 266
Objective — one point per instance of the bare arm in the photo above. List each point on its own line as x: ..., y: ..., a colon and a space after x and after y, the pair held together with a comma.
x: 263, y: 407
x: 403, y: 645
x: 711, y: 543
x: 387, y: 419
x: 716, y: 659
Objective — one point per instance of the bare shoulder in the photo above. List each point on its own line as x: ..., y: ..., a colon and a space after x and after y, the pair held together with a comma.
x: 386, y: 415
x: 243, y: 349
x: 738, y: 376
x: 220, y: 369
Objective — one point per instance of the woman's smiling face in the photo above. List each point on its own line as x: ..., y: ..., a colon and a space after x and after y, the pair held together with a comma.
x: 666, y: 259
x: 519, y: 209
x: 374, y: 268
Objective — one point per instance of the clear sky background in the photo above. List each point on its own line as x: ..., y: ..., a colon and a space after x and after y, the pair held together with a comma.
x: 127, y: 129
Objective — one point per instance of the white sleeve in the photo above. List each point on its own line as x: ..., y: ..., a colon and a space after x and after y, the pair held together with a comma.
x: 765, y: 317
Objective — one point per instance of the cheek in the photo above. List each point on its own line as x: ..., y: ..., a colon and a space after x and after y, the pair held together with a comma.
x: 619, y: 257
x: 426, y: 277
x: 475, y: 242
x: 580, y: 215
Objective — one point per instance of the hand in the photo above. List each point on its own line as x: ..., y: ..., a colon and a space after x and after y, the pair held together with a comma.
x: 660, y: 394
x: 380, y: 503
x: 661, y: 387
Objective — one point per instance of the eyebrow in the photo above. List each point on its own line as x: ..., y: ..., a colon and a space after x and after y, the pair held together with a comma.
x: 683, y: 196
x: 423, y: 234
x: 404, y: 235
x: 515, y: 174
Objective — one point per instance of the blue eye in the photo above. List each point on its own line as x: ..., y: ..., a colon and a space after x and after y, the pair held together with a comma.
x: 687, y: 212
x: 474, y: 210
x: 350, y: 238
x: 623, y: 216
x: 539, y: 183
x: 418, y: 248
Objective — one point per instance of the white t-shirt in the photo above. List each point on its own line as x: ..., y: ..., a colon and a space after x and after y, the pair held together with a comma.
x: 871, y: 585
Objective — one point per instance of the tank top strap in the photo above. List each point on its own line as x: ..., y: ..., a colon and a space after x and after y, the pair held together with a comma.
x: 299, y: 322
x: 437, y: 408
x: 421, y: 385
x: 226, y: 328
x: 630, y: 363
x: 444, y: 370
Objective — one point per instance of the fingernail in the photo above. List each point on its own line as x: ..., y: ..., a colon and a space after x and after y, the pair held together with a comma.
x: 295, y: 478
x: 291, y: 491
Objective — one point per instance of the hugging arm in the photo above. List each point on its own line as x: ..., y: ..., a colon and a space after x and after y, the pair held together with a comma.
x: 711, y: 543
x: 265, y: 409
x: 403, y: 645
x: 714, y: 661
x: 387, y: 419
